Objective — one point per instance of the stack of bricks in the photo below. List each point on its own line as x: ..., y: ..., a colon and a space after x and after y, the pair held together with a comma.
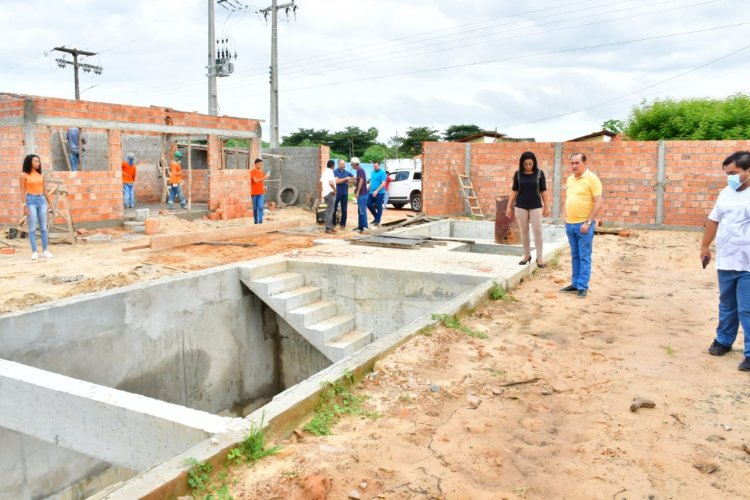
x: 230, y: 208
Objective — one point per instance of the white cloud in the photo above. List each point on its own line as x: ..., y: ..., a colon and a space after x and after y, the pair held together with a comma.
x: 337, y: 57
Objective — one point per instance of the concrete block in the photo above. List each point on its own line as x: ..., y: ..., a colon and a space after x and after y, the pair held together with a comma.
x: 141, y: 214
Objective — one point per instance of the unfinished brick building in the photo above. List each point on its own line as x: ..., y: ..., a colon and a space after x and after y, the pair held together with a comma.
x: 31, y: 124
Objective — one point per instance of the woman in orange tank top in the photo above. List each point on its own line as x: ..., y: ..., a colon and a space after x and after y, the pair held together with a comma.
x: 35, y: 201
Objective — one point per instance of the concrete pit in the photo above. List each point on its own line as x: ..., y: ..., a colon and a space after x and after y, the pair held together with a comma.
x: 103, y: 387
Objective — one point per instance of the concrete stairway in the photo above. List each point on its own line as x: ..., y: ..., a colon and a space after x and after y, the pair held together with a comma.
x: 306, y: 310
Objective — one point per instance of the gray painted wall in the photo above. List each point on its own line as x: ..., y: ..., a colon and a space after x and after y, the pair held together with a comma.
x: 301, y: 170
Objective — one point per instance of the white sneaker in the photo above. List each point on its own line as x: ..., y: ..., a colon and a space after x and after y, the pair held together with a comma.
x: 48, y: 254
x: 34, y: 256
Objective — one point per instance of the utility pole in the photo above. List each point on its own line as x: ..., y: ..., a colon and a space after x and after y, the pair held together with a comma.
x: 213, y: 98
x: 221, y: 66
x: 87, y: 68
x: 273, y: 9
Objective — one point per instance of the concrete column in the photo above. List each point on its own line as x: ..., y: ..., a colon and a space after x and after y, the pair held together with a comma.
x: 114, y: 150
x: 29, y: 126
x: 118, y: 427
x: 557, y: 181
x: 467, y: 171
x: 661, y: 181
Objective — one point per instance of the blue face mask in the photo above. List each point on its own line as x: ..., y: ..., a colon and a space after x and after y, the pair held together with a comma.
x: 734, y: 182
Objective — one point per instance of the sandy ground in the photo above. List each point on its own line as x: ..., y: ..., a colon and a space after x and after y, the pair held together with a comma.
x: 91, y: 267
x: 542, y: 408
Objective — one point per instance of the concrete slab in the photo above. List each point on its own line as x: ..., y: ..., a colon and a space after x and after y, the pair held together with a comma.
x: 118, y: 427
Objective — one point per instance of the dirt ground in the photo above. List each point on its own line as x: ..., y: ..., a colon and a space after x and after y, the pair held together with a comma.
x: 541, y: 409
x: 92, y: 267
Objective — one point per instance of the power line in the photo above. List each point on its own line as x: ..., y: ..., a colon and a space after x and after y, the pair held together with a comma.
x: 244, y: 81
x: 191, y: 83
x: 87, y: 68
x: 638, y: 91
x: 527, y: 56
x: 484, y: 41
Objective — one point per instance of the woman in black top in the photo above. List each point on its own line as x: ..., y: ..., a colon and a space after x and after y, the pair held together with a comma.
x: 529, y: 197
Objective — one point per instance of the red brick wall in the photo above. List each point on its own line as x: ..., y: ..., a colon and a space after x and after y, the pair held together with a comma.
x: 628, y: 174
x: 628, y: 171
x: 93, y: 196
x: 229, y: 184
x: 694, y: 178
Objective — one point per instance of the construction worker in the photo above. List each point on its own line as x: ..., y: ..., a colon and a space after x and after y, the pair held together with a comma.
x: 175, y: 180
x: 128, y: 180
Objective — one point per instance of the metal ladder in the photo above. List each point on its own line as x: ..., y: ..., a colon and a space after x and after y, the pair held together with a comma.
x: 470, y: 196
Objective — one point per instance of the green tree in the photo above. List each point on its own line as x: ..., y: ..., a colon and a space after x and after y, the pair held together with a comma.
x: 616, y: 126
x: 455, y: 132
x: 307, y: 137
x: 376, y: 152
x: 691, y: 119
x: 415, y: 136
x: 353, y: 140
x: 395, y: 147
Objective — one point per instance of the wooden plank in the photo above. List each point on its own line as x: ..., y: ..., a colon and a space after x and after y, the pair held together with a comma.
x: 225, y: 243
x: 227, y: 233
x: 384, y: 245
x: 190, y: 174
x: 392, y: 222
x: 138, y: 247
x: 63, y: 143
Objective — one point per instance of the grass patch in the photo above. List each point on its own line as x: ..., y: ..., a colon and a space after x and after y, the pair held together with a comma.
x: 337, y: 399
x: 208, y: 485
x: 670, y: 351
x: 199, y: 475
x: 452, y: 321
x: 495, y: 372
x: 427, y: 331
x: 554, y: 263
x: 498, y: 293
x: 252, y: 448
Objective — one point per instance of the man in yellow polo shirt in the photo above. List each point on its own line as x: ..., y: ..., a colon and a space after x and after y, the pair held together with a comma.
x: 583, y: 200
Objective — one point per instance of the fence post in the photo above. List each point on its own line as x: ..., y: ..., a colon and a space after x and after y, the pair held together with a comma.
x: 661, y: 180
x: 467, y: 172
x: 557, y: 179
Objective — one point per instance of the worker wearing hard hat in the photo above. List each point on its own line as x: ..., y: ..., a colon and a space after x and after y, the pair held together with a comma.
x: 175, y: 180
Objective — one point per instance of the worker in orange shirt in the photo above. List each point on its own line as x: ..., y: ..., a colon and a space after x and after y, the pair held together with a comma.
x: 258, y: 190
x: 175, y: 180
x: 128, y: 179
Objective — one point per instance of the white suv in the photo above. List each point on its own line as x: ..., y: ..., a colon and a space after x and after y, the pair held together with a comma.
x: 406, y: 187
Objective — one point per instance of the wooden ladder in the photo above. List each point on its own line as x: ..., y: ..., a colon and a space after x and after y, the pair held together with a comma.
x: 470, y: 196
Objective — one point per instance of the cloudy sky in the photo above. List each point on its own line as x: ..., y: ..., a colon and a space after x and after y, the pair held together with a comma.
x: 548, y: 69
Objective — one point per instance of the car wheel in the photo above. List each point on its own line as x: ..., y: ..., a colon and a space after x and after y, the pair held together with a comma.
x: 416, y: 202
x: 398, y: 205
